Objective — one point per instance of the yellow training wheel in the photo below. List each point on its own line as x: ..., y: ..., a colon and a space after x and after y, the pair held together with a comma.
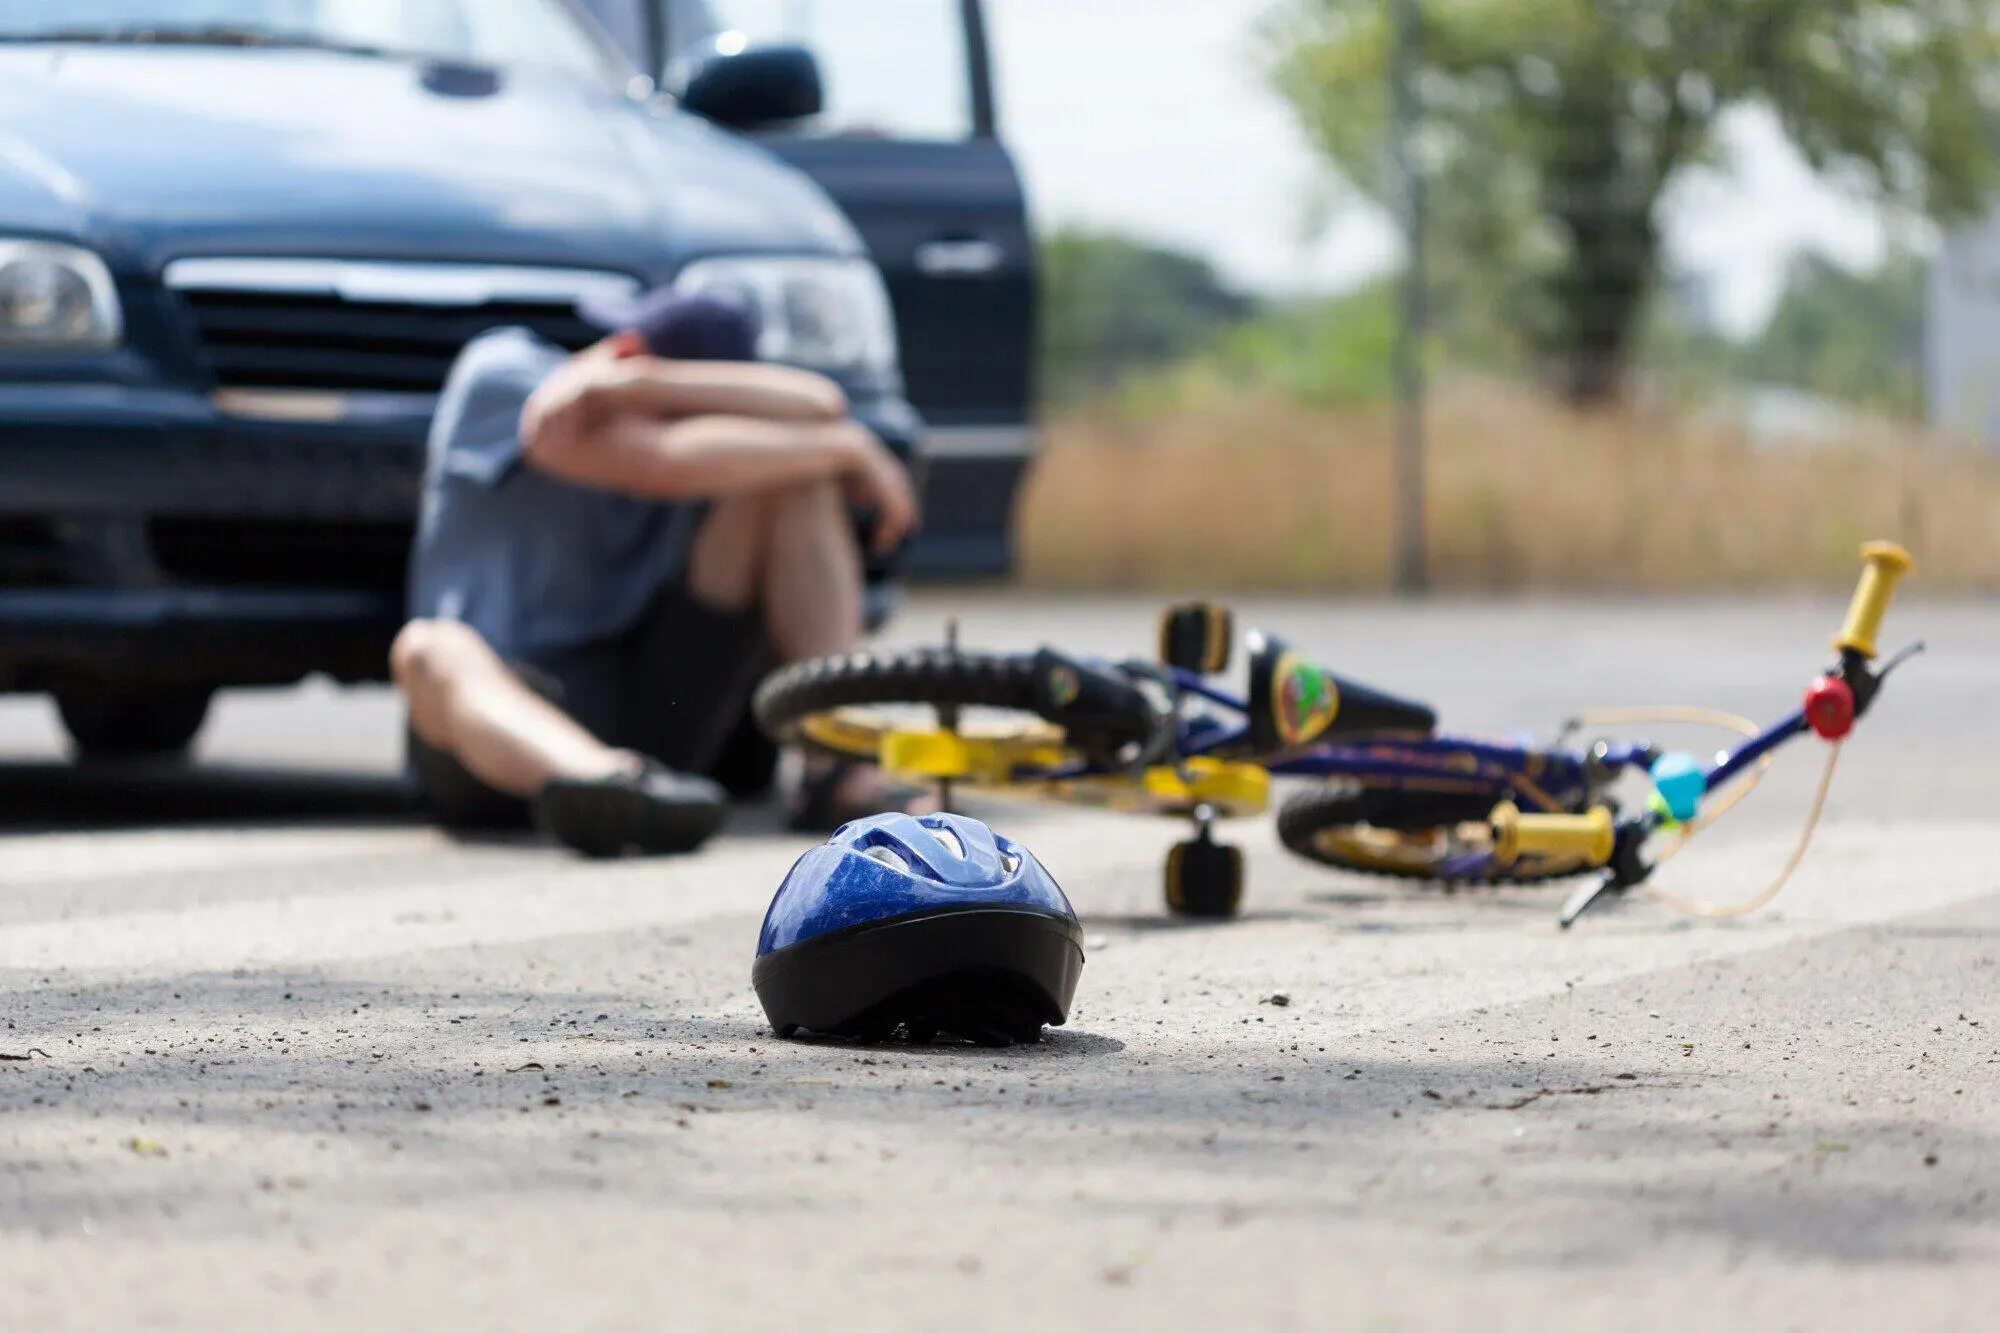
x: 1010, y: 757
x: 1231, y: 790
x: 862, y: 733
x: 951, y: 756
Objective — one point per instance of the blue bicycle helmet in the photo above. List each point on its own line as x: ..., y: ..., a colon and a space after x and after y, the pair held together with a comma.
x: 930, y: 924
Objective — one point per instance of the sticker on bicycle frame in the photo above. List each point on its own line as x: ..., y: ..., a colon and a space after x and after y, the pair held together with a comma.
x: 1306, y: 700
x: 1064, y: 686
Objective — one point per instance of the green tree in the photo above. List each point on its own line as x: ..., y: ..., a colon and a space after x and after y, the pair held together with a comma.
x: 1551, y: 130
x: 1112, y: 304
x: 1846, y: 335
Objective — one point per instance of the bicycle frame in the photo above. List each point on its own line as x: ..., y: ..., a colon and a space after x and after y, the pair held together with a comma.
x: 1551, y: 778
x: 1544, y: 779
x: 1165, y: 739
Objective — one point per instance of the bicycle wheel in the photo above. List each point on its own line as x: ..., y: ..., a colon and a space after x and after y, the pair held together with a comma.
x: 1403, y: 834
x: 1043, y: 700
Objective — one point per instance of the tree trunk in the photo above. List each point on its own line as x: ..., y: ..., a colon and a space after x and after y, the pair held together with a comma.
x: 1601, y: 296
x: 1602, y: 288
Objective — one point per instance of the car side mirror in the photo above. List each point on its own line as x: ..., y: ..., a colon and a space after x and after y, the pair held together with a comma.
x: 756, y: 86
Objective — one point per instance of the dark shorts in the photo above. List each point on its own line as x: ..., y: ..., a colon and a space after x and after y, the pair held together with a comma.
x: 672, y: 688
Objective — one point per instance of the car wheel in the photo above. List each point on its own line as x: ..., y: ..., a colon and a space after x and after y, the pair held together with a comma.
x: 125, y: 724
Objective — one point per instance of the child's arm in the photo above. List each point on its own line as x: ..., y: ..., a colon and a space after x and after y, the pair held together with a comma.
x: 600, y: 387
x: 716, y: 455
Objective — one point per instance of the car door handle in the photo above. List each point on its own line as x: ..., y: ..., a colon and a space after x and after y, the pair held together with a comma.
x: 960, y: 257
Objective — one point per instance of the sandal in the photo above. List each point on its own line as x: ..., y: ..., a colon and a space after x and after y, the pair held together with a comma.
x: 825, y: 803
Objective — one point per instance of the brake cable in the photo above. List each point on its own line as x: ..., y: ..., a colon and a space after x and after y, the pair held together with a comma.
x: 1727, y: 911
x: 1737, y: 791
x: 1697, y: 717
x: 1709, y: 717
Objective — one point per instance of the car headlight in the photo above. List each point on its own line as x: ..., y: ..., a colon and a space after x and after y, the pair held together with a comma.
x: 56, y: 297
x: 830, y: 315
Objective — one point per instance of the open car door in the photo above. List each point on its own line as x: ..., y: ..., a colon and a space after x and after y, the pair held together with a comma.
x: 908, y: 145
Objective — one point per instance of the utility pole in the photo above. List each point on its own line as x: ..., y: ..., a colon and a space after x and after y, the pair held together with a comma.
x: 1406, y: 112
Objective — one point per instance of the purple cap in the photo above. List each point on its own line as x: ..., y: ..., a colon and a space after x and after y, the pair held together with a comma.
x: 679, y: 326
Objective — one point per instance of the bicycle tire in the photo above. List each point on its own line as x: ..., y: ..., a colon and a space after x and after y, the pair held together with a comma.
x: 1011, y: 682
x: 1307, y: 818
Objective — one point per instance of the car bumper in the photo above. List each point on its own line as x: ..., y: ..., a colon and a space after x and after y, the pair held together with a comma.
x: 169, y: 636
x: 137, y: 531
x: 88, y: 450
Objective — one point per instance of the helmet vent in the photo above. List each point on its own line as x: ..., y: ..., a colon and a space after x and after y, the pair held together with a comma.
x: 887, y: 856
x: 949, y: 837
x: 1009, y: 862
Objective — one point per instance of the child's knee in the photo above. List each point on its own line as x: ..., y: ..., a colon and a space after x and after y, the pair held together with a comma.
x: 807, y: 497
x: 428, y: 654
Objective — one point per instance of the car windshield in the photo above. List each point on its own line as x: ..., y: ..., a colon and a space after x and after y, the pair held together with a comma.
x: 490, y: 32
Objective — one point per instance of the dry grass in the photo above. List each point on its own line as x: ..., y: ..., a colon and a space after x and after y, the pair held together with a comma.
x: 1258, y: 493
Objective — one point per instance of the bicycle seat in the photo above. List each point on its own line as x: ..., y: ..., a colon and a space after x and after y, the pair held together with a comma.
x: 1294, y: 702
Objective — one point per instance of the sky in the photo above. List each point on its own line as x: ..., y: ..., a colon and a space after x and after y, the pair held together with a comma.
x: 1149, y: 116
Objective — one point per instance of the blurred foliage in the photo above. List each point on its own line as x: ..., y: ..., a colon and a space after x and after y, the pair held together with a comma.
x: 1848, y: 336
x: 1113, y: 304
x: 1149, y: 331
x: 1325, y: 352
x: 1552, y: 128
x: 1844, y: 336
x: 1155, y: 329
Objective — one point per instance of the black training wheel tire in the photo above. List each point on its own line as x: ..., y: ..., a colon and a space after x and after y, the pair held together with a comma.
x: 1197, y: 637
x: 747, y: 765
x: 1204, y: 879
x: 1309, y: 813
x: 927, y: 676
x: 126, y: 725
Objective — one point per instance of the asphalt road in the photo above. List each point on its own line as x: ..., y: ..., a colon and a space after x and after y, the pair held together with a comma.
x: 297, y: 1061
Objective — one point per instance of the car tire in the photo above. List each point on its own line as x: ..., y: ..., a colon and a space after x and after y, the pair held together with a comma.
x: 112, y: 724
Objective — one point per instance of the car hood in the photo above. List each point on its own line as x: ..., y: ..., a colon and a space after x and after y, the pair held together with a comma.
x: 149, y: 154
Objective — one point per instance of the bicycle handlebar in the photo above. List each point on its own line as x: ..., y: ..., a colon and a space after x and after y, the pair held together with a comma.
x: 1832, y: 705
x: 1884, y: 563
x: 1590, y: 837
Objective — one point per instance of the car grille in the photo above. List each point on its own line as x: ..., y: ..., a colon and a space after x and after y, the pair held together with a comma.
x: 286, y: 553
x: 31, y: 554
x: 286, y: 340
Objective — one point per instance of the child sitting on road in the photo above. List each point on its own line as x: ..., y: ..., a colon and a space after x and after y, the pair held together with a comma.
x: 615, y: 546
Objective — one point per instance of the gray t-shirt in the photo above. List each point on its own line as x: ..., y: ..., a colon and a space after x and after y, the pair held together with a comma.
x: 536, y: 565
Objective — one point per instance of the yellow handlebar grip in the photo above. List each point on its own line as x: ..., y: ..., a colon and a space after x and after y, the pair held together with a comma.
x: 1587, y: 837
x: 1883, y: 564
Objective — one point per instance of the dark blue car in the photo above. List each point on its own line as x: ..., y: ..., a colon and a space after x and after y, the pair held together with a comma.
x: 242, y: 240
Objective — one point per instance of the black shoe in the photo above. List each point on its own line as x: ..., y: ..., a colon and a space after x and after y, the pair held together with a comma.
x: 649, y: 813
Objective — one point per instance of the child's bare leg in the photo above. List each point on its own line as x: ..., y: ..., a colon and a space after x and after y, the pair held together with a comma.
x: 812, y: 574
x: 465, y: 701
x: 792, y: 553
